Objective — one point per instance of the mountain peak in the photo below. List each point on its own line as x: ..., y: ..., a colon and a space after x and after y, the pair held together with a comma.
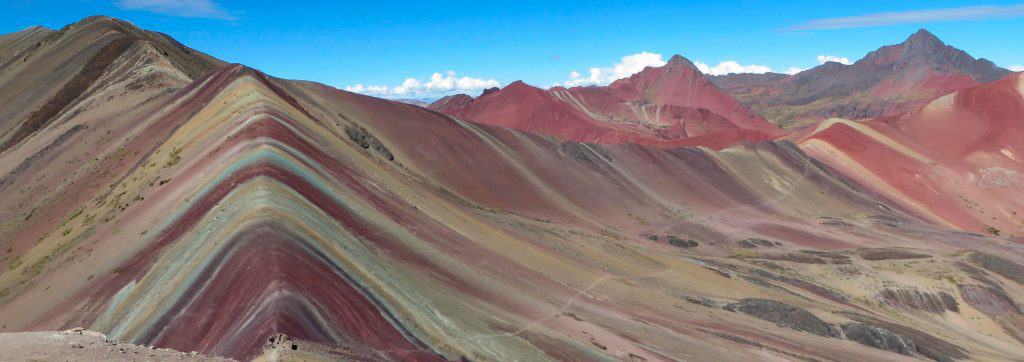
x: 452, y: 104
x: 679, y: 61
x: 923, y: 37
x: 95, y: 19
x: 488, y: 91
x: 922, y: 46
x: 925, y: 49
x: 519, y: 84
x: 677, y: 66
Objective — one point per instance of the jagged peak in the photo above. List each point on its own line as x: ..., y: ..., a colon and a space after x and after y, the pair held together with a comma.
x: 923, y: 36
x: 923, y: 42
x: 488, y: 91
x: 677, y: 61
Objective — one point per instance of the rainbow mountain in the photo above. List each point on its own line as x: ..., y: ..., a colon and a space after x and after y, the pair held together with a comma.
x: 163, y: 197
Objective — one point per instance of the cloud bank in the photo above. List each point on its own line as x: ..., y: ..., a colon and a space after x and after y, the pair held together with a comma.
x: 731, y: 67
x: 822, y: 59
x: 180, y: 8
x: 627, y: 66
x: 914, y: 17
x: 437, y: 85
x: 794, y: 70
x: 634, y: 63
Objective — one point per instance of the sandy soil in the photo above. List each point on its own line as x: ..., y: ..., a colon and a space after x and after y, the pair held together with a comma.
x: 84, y: 345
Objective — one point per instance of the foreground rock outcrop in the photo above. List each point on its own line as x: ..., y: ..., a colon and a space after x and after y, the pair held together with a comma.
x: 85, y: 345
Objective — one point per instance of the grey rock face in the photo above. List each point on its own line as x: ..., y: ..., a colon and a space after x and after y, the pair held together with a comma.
x: 878, y: 338
x: 784, y: 315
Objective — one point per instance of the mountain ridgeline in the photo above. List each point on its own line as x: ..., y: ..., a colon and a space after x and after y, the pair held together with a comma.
x: 892, y: 80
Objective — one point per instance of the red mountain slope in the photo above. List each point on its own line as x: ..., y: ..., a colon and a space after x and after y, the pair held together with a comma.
x: 958, y: 161
x: 672, y: 105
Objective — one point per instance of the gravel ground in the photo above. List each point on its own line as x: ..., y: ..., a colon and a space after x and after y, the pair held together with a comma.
x: 83, y: 345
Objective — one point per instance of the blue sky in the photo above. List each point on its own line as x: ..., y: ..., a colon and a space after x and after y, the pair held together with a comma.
x: 485, y: 43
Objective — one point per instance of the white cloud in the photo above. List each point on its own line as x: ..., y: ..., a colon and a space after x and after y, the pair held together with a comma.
x: 373, y: 89
x: 181, y: 8
x: 437, y: 85
x: 634, y: 63
x: 730, y: 66
x: 794, y: 70
x: 822, y: 59
x: 627, y: 66
x: 1017, y: 68
x: 914, y: 17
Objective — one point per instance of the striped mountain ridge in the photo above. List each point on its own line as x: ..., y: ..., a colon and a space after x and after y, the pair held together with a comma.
x: 955, y: 162
x: 213, y: 212
x: 74, y: 58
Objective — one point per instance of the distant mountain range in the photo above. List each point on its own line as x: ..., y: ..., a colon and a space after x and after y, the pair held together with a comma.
x: 893, y: 79
x: 422, y: 102
x: 668, y: 106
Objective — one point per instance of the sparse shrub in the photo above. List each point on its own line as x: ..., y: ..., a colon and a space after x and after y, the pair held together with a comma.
x: 682, y: 243
x: 174, y: 157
